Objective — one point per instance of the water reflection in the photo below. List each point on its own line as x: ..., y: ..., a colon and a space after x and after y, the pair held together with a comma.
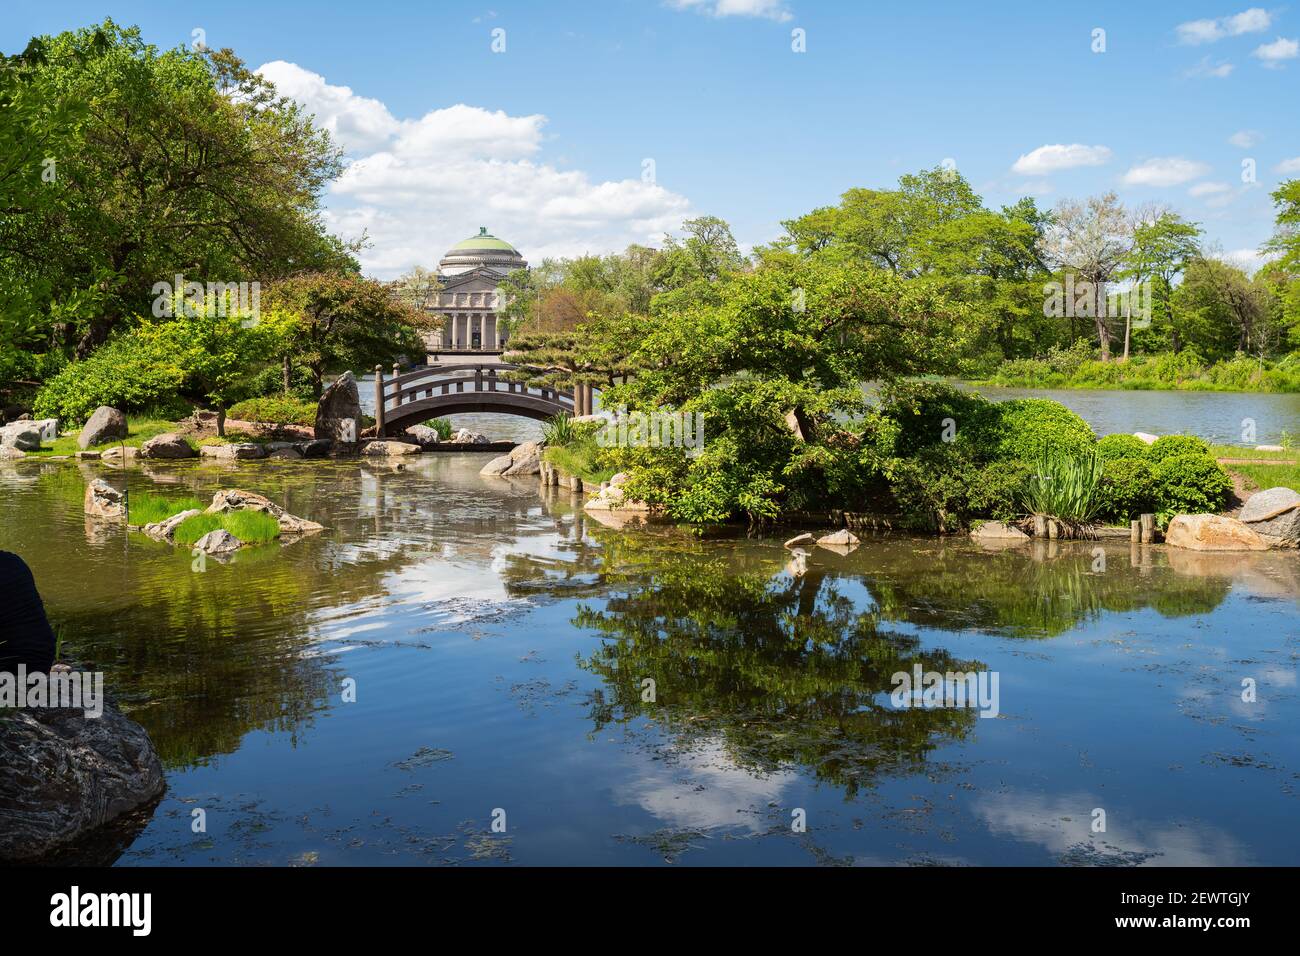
x: 506, y: 629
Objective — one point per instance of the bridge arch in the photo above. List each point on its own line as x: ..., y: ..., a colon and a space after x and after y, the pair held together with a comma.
x: 432, y: 392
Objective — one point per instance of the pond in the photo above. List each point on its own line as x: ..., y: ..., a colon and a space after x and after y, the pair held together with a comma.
x: 500, y: 645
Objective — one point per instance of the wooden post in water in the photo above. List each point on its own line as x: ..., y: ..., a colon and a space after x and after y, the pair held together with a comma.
x: 1040, y: 526
x: 1135, y: 531
x: 1148, y: 529
x: 379, y: 401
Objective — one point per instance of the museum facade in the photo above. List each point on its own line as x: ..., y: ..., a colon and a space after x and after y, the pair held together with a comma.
x: 470, y: 299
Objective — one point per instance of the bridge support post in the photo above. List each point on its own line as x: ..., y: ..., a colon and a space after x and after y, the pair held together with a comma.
x: 379, y: 401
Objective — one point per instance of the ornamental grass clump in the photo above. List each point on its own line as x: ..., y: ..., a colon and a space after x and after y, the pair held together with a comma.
x: 250, y: 527
x: 1065, y: 487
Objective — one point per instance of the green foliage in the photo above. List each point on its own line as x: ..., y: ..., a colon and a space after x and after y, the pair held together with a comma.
x: 1065, y: 486
x: 1191, y: 484
x: 130, y: 373
x: 1167, y: 446
x: 250, y: 527
x: 1033, y: 427
x: 442, y: 426
x: 1128, y: 488
x: 1113, y: 447
x: 559, y: 430
x: 146, y: 508
x: 941, y: 489
x: 275, y: 409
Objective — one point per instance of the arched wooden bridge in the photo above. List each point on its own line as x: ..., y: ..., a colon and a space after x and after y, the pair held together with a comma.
x: 432, y: 392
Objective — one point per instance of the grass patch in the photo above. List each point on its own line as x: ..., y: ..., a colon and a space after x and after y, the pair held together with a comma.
x: 146, y: 508
x: 580, y: 459
x: 1271, y: 476
x: 250, y: 527
x: 1248, y: 451
x: 442, y: 426
x: 139, y: 431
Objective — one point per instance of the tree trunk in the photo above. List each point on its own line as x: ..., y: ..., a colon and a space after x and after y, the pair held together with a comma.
x: 1103, y: 337
x: 221, y: 419
x: 286, y: 374
x: 1128, y: 329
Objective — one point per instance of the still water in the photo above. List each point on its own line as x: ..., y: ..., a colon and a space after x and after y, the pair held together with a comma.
x: 500, y: 643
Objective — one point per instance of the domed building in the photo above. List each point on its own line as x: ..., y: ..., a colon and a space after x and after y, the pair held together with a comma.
x: 470, y: 274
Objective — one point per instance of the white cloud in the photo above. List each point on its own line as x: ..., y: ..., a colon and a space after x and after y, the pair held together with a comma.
x: 418, y: 186
x: 1275, y: 53
x: 1209, y: 189
x: 1288, y: 166
x: 1247, y: 260
x: 1245, y: 138
x: 1164, y: 171
x: 356, y: 123
x: 1208, y: 68
x: 1194, y: 32
x: 768, y: 9
x: 1048, y: 159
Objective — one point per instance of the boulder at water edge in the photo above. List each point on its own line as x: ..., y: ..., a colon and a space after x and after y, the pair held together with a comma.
x: 423, y: 435
x: 523, y: 459
x: 338, y: 415
x: 1274, y: 515
x: 219, y: 541
x: 805, y: 540
x: 105, y: 425
x: 236, y: 499
x: 102, y: 500
x: 21, y: 436
x: 169, y: 445
x: 63, y: 774
x: 997, y: 530
x: 1212, y: 533
x: 389, y: 449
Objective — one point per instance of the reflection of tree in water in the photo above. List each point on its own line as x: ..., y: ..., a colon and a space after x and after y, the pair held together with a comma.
x: 783, y: 671
x: 1041, y: 591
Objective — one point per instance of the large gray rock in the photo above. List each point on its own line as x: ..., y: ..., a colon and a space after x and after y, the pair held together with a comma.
x: 338, y: 415
x: 102, y: 500
x: 424, y: 435
x: 390, y: 448
x: 165, y: 530
x: 219, y: 541
x: 23, y: 436
x: 496, y: 467
x: 105, y: 425
x: 236, y: 499
x: 316, y: 448
x: 169, y: 445
x: 1206, y: 532
x: 997, y: 531
x: 523, y: 459
x: 63, y: 775
x: 1274, y: 514
x: 244, y: 449
x: 464, y: 436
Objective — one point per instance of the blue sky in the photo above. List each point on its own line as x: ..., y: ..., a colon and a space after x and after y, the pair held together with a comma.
x: 547, y: 141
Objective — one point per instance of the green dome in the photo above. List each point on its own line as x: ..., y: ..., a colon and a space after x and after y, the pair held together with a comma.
x: 484, y: 240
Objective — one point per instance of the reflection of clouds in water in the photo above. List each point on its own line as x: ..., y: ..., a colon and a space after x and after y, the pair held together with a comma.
x: 1063, y: 822
x: 703, y: 788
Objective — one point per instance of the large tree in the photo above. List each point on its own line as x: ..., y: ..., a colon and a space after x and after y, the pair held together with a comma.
x: 152, y: 164
x: 1091, y: 239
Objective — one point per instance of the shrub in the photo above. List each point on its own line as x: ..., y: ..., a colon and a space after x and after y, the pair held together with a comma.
x: 275, y: 410
x: 442, y: 426
x: 1034, y: 427
x: 1128, y: 487
x: 1064, y: 486
x: 1191, y: 484
x: 916, y: 415
x: 1115, y: 447
x: 942, y: 488
x: 1171, y: 445
x: 129, y: 373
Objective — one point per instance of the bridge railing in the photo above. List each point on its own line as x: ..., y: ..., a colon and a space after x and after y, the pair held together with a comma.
x: 391, y: 394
